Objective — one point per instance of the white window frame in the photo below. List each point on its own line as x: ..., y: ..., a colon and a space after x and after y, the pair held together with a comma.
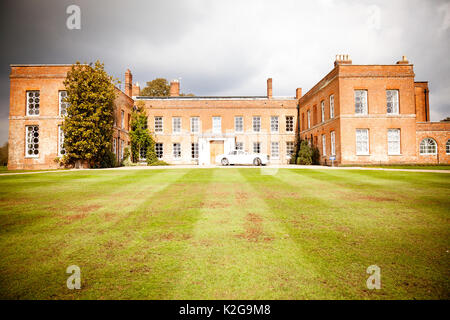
x: 239, y: 146
x: 256, y: 124
x: 217, y: 125
x: 239, y: 124
x: 361, y: 107
x: 275, y: 150
x: 176, y: 153
x: 394, y: 142
x: 159, y: 124
x: 195, y: 124
x: 28, y: 141
x: 122, y: 114
x: 159, y: 145
x: 115, y: 145
x: 194, y: 150
x: 428, y: 143
x: 332, y: 106
x: 362, y: 142
x: 308, y: 116
x: 394, y: 94
x: 274, y: 124
x: 289, y: 149
x: 61, y: 141
x: 322, y: 110
x: 60, y: 99
x: 289, y: 123
x: 324, y: 145
x: 176, y: 125
x: 256, y: 146
x: 333, y: 143
x: 28, y: 97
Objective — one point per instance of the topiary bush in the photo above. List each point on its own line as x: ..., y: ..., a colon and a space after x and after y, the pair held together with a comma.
x: 305, y: 154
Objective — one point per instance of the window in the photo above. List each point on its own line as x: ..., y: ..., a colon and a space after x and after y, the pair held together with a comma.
x: 32, y: 141
x: 289, y: 148
x: 361, y: 101
x: 176, y: 125
x: 322, y: 109
x: 194, y: 150
x: 176, y: 150
x: 309, y: 118
x: 238, y: 124
x: 240, y: 146
x: 274, y: 124
x: 289, y: 124
x: 324, y: 145
x: 333, y: 144
x: 115, y: 145
x: 195, y: 128
x: 33, y: 99
x: 143, y: 154
x: 122, y: 114
x: 256, y: 124
x: 158, y: 124
x: 217, y: 125
x: 61, y: 150
x: 62, y: 104
x: 121, y: 149
x: 159, y: 149
x: 256, y: 147
x: 393, y: 141
x: 275, y: 150
x: 392, y: 101
x: 428, y: 146
x: 447, y: 147
x: 332, y: 106
x: 362, y: 141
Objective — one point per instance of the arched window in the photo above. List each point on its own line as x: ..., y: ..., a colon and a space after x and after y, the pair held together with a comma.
x: 428, y: 146
x: 447, y: 147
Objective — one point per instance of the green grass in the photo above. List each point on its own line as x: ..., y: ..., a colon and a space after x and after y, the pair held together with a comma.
x: 4, y: 169
x: 225, y: 234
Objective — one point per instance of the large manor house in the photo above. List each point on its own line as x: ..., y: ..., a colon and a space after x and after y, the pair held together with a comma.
x: 357, y: 114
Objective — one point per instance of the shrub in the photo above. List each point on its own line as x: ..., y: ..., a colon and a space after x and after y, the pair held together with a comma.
x: 315, y: 155
x: 108, y: 160
x: 158, y: 163
x: 305, y: 154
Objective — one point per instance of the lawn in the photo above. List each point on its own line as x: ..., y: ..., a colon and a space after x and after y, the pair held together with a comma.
x: 225, y: 233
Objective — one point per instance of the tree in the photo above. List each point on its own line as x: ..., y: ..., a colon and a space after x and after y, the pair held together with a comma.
x: 305, y: 154
x: 88, y: 126
x: 4, y: 154
x: 156, y: 88
x: 140, y: 137
x: 446, y: 119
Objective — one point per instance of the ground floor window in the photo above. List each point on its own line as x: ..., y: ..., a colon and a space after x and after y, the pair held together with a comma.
x: 32, y: 141
x: 428, y: 146
x: 333, y: 143
x: 447, y: 147
x: 256, y: 147
x: 177, y: 150
x: 324, y: 145
x: 61, y: 150
x: 159, y: 150
x: 289, y: 148
x: 362, y: 141
x: 115, y: 145
x: 240, y: 146
x: 194, y: 150
x: 393, y: 141
x: 275, y: 150
x: 143, y: 154
x: 122, y: 147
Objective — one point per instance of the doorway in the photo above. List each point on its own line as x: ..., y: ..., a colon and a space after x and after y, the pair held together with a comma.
x: 216, y: 148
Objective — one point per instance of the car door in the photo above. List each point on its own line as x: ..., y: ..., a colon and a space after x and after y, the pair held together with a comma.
x: 232, y: 157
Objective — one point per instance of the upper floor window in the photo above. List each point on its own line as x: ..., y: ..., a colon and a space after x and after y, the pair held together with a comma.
x: 392, y: 101
x: 122, y: 115
x: 256, y: 124
x: 176, y: 125
x: 428, y: 146
x: 62, y: 103
x: 362, y: 141
x: 274, y: 124
x: 158, y: 124
x: 32, y: 141
x: 217, y: 125
x: 394, y: 141
x: 61, y: 150
x: 195, y: 124
x: 361, y: 101
x: 289, y: 124
x: 309, y: 118
x: 238, y: 124
x: 322, y: 110
x: 447, y: 147
x: 332, y: 106
x: 33, y: 102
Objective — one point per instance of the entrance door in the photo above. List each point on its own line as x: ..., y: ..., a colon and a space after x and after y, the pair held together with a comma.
x: 216, y: 148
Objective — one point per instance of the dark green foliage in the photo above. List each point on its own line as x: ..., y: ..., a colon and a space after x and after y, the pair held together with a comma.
x: 88, y: 125
x: 140, y: 136
x: 4, y: 155
x: 158, y: 87
x: 305, y: 154
x: 108, y: 160
x: 315, y: 155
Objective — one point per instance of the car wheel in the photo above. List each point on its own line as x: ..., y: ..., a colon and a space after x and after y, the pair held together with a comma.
x: 224, y: 162
x: 257, y: 162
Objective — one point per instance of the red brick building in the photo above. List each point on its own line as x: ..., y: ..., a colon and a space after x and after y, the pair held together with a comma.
x: 357, y: 114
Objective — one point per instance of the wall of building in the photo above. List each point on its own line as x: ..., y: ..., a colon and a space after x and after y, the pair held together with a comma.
x: 439, y: 132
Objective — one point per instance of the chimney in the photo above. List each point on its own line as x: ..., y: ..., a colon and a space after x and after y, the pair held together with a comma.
x: 128, y: 82
x: 342, y: 59
x: 136, y: 90
x: 269, y: 88
x: 298, y: 93
x: 174, y: 88
x: 403, y: 61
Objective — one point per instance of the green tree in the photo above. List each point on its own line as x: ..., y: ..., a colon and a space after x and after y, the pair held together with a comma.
x: 4, y: 154
x: 158, y: 87
x: 140, y: 137
x: 305, y: 154
x: 88, y: 126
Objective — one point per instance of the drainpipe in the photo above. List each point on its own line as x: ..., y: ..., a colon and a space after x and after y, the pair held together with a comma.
x: 425, y: 91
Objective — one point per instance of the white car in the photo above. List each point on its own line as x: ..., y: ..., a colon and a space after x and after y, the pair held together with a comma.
x: 241, y: 157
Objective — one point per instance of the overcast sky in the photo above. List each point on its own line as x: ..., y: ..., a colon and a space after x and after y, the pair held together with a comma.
x: 230, y: 47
